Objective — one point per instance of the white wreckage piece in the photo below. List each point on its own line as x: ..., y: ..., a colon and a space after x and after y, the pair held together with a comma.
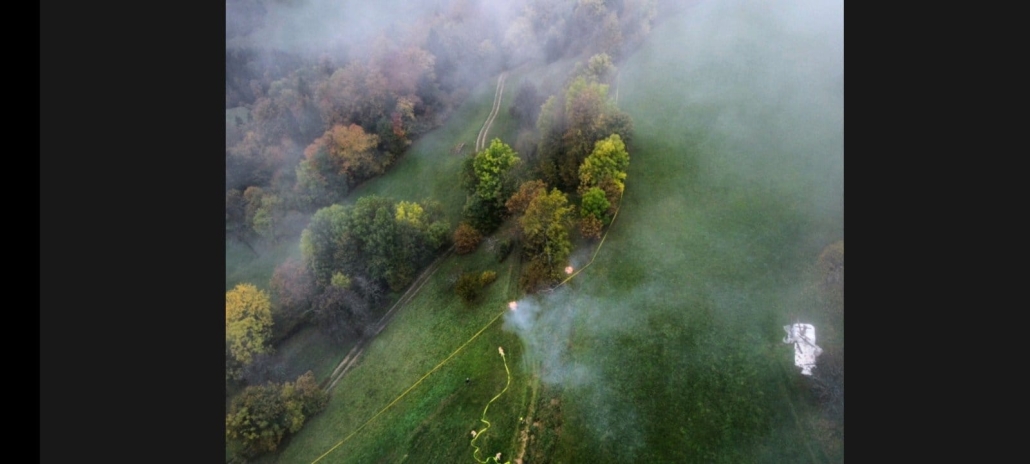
x: 805, y: 349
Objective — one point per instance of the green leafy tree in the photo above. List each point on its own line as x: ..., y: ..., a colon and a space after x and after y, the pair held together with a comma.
x: 608, y: 161
x: 493, y: 166
x: 248, y: 321
x: 328, y: 244
x: 594, y: 204
x: 545, y: 229
x: 593, y: 213
x: 374, y: 239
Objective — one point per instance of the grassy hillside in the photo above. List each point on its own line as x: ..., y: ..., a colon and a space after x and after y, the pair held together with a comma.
x: 735, y: 186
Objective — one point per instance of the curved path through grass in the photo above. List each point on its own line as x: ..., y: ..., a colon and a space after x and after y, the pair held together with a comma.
x: 481, y: 139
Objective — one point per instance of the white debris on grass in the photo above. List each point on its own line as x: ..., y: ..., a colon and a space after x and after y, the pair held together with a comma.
x: 805, y: 349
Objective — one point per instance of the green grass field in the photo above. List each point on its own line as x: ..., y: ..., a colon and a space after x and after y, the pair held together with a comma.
x: 433, y: 422
x: 733, y: 191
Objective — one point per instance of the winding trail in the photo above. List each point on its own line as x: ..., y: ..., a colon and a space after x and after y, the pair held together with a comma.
x: 481, y: 138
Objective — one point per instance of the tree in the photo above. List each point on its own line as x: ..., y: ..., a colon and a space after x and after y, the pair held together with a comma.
x: 248, y: 321
x: 545, y: 228
x: 608, y: 161
x: 318, y: 183
x: 292, y: 287
x: 262, y: 415
x: 327, y: 244
x: 466, y: 239
x: 253, y: 425
x: 351, y: 152
x: 593, y: 213
x: 529, y: 190
x: 375, y: 239
x: 600, y: 68
x: 493, y: 166
x: 594, y: 204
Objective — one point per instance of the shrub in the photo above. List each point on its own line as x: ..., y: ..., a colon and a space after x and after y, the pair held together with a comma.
x: 468, y: 287
x: 487, y: 278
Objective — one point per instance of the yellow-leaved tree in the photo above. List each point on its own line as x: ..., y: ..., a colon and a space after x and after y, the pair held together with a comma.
x: 248, y: 322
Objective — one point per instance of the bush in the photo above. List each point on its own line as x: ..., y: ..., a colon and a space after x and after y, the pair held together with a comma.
x: 487, y: 278
x: 468, y: 287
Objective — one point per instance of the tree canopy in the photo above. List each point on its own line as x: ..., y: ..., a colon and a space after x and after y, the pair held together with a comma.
x: 545, y: 230
x: 493, y: 166
x: 608, y: 161
x: 248, y: 322
x: 375, y: 238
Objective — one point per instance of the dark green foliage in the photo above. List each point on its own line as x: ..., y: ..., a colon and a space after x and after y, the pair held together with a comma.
x: 262, y: 415
x: 483, y: 215
x: 375, y: 239
x: 327, y: 244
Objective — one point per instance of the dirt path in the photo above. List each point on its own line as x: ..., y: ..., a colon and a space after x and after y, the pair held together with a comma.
x: 481, y: 139
x: 351, y: 359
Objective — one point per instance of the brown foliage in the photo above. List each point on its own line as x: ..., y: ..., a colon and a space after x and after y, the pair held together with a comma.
x: 529, y: 190
x: 590, y: 227
x: 466, y: 239
x: 536, y: 275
